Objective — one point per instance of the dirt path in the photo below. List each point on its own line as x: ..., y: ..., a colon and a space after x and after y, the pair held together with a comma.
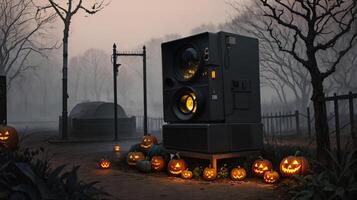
x: 128, y: 184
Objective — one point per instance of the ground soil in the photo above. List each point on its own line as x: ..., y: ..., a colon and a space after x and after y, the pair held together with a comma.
x: 127, y: 184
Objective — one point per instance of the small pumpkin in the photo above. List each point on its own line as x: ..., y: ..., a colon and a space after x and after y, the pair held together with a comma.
x: 186, y: 174
x: 104, y: 163
x: 133, y: 157
x: 176, y: 166
x: 158, y: 163
x: 209, y: 173
x: 148, y: 141
x: 260, y: 166
x: 143, y: 166
x: 8, y: 137
x: 116, y: 148
x: 271, y: 177
x: 238, y: 174
x: 293, y: 165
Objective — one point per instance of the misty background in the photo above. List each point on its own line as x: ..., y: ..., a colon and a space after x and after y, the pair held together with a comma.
x: 36, y: 93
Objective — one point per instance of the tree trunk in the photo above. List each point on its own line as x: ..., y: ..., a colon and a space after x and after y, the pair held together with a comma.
x: 64, y: 81
x: 321, y: 124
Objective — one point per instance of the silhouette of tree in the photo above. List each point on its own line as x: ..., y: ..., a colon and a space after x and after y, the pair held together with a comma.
x: 319, y: 25
x: 65, y: 11
x: 21, y: 29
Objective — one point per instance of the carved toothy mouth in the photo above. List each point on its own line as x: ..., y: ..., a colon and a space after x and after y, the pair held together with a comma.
x: 146, y: 146
x: 290, y: 169
x: 3, y: 138
x: 175, y: 172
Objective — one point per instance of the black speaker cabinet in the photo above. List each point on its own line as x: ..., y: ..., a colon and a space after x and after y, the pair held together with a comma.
x: 3, y: 110
x: 211, y: 93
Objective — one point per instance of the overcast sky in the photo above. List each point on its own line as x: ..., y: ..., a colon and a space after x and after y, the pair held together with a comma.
x: 132, y: 22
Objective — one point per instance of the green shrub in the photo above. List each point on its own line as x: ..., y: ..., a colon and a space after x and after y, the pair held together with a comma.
x: 26, y: 174
x: 337, y: 181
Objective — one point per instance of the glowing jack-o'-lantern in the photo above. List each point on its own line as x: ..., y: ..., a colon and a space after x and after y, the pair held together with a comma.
x: 176, y: 166
x: 209, y: 173
x: 270, y: 177
x: 157, y: 163
x: 238, y: 174
x: 148, y: 141
x: 116, y: 148
x: 292, y: 165
x: 104, y: 163
x: 133, y: 157
x: 8, y: 137
x: 260, y: 166
x: 186, y: 174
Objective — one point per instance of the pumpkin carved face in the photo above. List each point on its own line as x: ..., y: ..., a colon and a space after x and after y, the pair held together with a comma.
x: 271, y: 177
x: 116, y: 148
x: 238, y: 174
x: 8, y: 137
x: 260, y: 166
x: 176, y: 166
x: 157, y: 163
x: 104, y: 163
x: 148, y: 141
x: 133, y: 157
x: 292, y: 165
x: 186, y: 174
x: 209, y: 174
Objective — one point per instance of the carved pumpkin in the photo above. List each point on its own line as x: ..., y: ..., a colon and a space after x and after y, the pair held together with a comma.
x: 104, y: 163
x: 176, y: 166
x: 116, y: 148
x: 209, y: 173
x: 238, y: 174
x: 260, y: 166
x: 8, y: 137
x: 148, y: 141
x: 133, y: 157
x: 271, y: 177
x: 292, y: 165
x: 158, y: 163
x: 186, y: 174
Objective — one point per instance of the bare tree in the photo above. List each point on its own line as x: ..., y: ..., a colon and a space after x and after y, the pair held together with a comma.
x: 65, y: 11
x: 317, y: 33
x: 21, y: 29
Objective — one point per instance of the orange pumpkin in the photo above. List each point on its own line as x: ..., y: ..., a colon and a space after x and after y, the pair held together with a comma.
x: 186, y: 174
x: 148, y: 141
x: 176, y: 166
x: 238, y: 174
x: 270, y: 177
x: 293, y: 165
x: 133, y: 157
x: 104, y: 163
x: 260, y: 166
x: 209, y: 173
x: 157, y: 163
x: 8, y: 137
x: 116, y: 148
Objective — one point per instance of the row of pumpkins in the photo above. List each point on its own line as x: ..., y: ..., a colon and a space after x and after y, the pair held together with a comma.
x: 289, y: 166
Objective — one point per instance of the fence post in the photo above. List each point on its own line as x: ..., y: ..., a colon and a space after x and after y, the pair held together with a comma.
x: 268, y: 125
x: 352, y: 120
x: 337, y: 126
x: 297, y: 121
x: 280, y: 123
x: 308, y: 121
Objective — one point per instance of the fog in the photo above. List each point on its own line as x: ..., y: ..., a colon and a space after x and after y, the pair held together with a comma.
x: 36, y: 94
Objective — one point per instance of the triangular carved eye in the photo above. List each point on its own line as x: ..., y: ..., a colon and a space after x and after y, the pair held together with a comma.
x: 286, y: 161
x: 295, y: 162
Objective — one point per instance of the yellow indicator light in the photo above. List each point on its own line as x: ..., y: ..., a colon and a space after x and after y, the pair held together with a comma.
x: 213, y: 74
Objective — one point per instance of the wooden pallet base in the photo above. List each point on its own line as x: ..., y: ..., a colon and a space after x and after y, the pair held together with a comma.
x: 214, y: 157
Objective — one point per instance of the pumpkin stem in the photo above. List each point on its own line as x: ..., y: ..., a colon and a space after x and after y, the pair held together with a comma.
x: 260, y: 157
x: 297, y: 153
x: 178, y: 155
